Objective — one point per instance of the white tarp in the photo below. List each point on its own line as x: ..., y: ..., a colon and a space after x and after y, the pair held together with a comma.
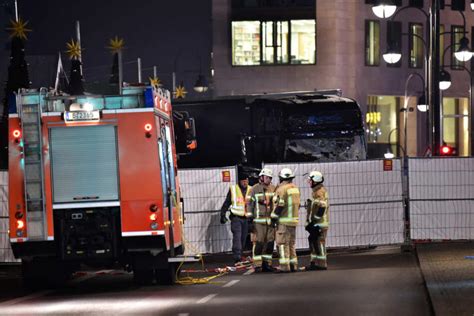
x: 441, y: 192
x: 6, y: 254
x: 204, y: 192
x: 365, y: 202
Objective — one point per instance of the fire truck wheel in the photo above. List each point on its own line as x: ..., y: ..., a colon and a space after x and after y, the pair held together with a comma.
x: 44, y: 273
x: 143, y: 276
x: 166, y: 276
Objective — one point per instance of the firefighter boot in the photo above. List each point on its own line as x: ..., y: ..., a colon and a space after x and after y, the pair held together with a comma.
x: 312, y: 266
x: 266, y: 267
x: 293, y: 267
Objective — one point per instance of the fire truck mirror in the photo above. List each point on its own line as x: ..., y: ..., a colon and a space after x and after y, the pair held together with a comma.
x: 185, y: 132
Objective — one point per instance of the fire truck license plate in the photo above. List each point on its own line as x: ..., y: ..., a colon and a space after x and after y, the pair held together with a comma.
x: 81, y: 116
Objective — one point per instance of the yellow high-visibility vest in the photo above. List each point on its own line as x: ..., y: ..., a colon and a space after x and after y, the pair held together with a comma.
x: 238, y: 200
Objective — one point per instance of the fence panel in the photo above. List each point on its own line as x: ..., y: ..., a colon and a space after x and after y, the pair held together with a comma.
x: 366, y: 205
x: 6, y: 254
x: 204, y: 192
x: 441, y: 194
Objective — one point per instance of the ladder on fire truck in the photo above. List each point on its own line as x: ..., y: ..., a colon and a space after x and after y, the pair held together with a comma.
x: 30, y: 108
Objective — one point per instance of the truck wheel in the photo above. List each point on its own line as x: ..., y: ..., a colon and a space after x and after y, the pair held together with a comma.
x: 143, y: 276
x: 166, y: 276
x: 45, y: 273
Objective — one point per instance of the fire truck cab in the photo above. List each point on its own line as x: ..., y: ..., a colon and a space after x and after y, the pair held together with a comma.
x: 93, y: 180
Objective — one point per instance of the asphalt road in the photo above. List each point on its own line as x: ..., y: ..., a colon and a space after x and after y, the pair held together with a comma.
x: 376, y: 282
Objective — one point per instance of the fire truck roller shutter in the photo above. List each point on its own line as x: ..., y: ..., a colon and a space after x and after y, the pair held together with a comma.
x: 84, y: 163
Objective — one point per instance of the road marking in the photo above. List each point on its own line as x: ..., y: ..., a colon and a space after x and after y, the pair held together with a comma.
x: 82, y: 278
x: 25, y: 298
x: 206, y: 299
x: 43, y: 293
x: 229, y: 284
x: 249, y: 272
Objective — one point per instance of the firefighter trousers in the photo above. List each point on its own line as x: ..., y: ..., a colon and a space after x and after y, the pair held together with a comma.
x: 285, y: 238
x: 263, y: 244
x: 239, y: 229
x: 317, y: 246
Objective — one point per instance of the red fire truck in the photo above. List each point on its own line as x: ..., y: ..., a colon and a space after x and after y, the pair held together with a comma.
x: 93, y: 180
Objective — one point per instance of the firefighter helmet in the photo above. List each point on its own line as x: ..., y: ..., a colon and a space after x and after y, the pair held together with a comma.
x: 316, y: 176
x: 286, y: 173
x: 266, y: 172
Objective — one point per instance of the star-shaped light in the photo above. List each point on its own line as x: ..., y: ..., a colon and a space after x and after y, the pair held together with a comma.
x: 73, y: 49
x: 18, y: 28
x: 180, y: 92
x: 155, y: 81
x: 116, y: 44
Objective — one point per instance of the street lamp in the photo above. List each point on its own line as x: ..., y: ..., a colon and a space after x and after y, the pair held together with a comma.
x: 433, y: 71
x: 392, y: 56
x: 201, y: 84
x: 463, y: 53
x: 405, y: 106
x: 384, y: 8
x: 422, y: 105
x: 444, y: 80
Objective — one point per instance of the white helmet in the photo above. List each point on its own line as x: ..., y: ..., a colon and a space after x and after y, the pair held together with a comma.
x: 266, y: 172
x: 316, y: 176
x: 286, y: 173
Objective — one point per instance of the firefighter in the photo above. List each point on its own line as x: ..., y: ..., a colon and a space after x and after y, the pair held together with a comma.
x: 317, y: 221
x: 284, y: 217
x: 259, y: 208
x: 236, y: 201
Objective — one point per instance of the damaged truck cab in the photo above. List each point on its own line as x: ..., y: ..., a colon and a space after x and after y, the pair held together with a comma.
x: 291, y: 127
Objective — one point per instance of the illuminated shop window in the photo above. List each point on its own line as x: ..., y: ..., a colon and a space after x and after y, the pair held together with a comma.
x: 273, y: 42
x: 303, y: 41
x: 456, y: 124
x: 246, y: 43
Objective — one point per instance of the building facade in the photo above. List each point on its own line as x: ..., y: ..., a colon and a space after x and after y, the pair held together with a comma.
x: 305, y: 45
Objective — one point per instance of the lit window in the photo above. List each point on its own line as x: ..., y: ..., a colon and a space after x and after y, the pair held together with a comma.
x: 372, y: 43
x: 282, y: 42
x: 456, y: 124
x: 416, y: 45
x: 457, y: 32
x: 381, y: 122
x: 303, y: 41
x: 246, y: 43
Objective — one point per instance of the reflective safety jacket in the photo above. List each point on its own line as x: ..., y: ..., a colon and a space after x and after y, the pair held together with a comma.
x: 238, y: 200
x: 318, y: 212
x: 260, y: 203
x: 287, y: 198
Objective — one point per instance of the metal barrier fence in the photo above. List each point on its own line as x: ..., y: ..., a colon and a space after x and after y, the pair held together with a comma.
x: 366, y: 205
x: 366, y: 202
x: 441, y: 195
x: 6, y: 254
x: 204, y: 192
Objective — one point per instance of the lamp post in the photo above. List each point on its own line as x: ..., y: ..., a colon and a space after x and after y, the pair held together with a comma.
x: 201, y: 84
x: 433, y: 58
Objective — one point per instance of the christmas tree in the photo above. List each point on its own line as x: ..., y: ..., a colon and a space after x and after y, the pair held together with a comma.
x: 17, y: 78
x: 18, y: 69
x: 115, y: 46
x: 114, y: 75
x: 76, y: 81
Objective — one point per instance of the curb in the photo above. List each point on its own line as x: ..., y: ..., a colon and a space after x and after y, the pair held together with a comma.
x: 425, y: 285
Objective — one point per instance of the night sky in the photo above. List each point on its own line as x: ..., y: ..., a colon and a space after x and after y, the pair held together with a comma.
x: 159, y: 32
